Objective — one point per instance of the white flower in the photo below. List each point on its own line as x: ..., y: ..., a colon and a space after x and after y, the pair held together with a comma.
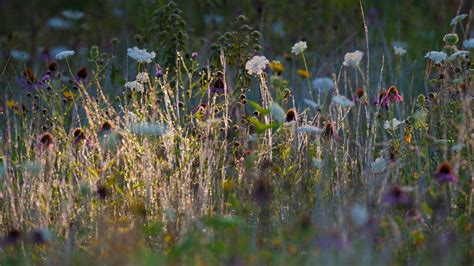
x: 468, y: 44
x: 311, y: 103
x: 342, y: 101
x: 73, y: 14
x: 359, y: 215
x: 436, y: 56
x: 398, y: 50
x: 299, y: 48
x: 379, y: 166
x: 64, y: 54
x: 317, y: 163
x: 140, y: 55
x: 457, y: 19
x: 277, y: 112
x: 142, y: 77
x: 392, y: 125
x: 148, y: 129
x: 457, y: 147
x: 324, y: 83
x: 458, y: 54
x: 353, y: 59
x: 133, y: 85
x: 309, y: 129
x: 58, y: 23
x: 256, y: 65
x: 20, y: 55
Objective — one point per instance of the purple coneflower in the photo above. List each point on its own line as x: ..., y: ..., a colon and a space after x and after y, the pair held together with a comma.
x: 217, y: 86
x: 45, y: 142
x: 388, y: 96
x: 158, y: 72
x: 329, y: 131
x: 360, y: 96
x: 445, y: 173
x: 79, y: 136
x: 398, y: 196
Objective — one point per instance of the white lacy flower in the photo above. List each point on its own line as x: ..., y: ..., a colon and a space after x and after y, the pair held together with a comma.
x: 457, y: 19
x: 457, y: 147
x: 359, y: 215
x: 342, y: 101
x: 317, y: 163
x: 299, y: 48
x: 309, y: 129
x: 323, y: 84
x: 20, y: 55
x: 436, y: 56
x: 353, y: 59
x: 58, y: 23
x: 392, y: 125
x: 64, y: 55
x: 73, y: 14
x: 140, y: 55
x: 379, y: 166
x: 277, y: 112
x: 468, y: 44
x: 398, y: 50
x: 142, y: 77
x: 256, y: 65
x: 311, y: 103
x: 134, y: 85
x: 458, y: 54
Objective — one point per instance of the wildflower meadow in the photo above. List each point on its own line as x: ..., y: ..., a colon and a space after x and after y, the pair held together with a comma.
x: 261, y: 132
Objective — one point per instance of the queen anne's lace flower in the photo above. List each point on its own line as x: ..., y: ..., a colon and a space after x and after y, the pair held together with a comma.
x: 134, y: 85
x: 73, y: 14
x: 142, y: 77
x: 379, y: 166
x: 342, y: 101
x: 140, y: 55
x: 437, y: 57
x: 458, y: 54
x: 392, y: 125
x: 457, y: 19
x: 353, y: 59
x: 64, y: 55
x: 299, y: 48
x: 323, y: 84
x: 468, y: 44
x: 398, y: 50
x: 256, y: 65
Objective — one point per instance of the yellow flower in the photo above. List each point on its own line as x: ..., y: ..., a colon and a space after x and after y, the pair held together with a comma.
x: 303, y: 73
x: 11, y: 104
x: 408, y: 138
x: 69, y: 95
x: 276, y: 66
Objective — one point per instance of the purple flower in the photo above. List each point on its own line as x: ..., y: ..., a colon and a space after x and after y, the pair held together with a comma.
x: 388, y: 96
x: 398, y: 196
x: 334, y: 240
x: 194, y: 55
x: 200, y: 110
x: 158, y: 72
x: 445, y: 173
x: 217, y: 86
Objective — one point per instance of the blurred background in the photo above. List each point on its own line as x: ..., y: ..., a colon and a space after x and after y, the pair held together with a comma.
x: 29, y: 24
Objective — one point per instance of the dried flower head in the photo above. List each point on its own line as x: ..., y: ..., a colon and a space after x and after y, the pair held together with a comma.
x: 82, y: 73
x: 291, y: 115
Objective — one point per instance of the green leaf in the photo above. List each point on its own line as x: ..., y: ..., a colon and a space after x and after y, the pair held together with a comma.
x: 261, y: 127
x: 259, y: 108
